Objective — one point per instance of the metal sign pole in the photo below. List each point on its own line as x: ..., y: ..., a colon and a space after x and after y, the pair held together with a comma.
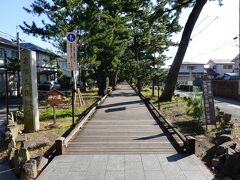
x: 73, y: 98
x: 158, y: 93
x: 72, y: 64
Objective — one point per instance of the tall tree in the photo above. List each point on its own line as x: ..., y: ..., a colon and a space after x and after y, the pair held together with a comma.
x: 175, y: 7
x: 182, y: 48
x: 110, y: 33
x: 148, y: 38
x: 99, y: 25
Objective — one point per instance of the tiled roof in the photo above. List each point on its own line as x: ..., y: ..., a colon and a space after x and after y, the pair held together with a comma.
x: 211, y: 72
x: 236, y: 58
x: 7, y: 42
x: 221, y: 61
x: 192, y: 63
x: 33, y: 47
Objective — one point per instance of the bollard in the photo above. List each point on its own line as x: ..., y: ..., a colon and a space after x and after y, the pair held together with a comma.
x: 59, y: 145
x: 190, y: 144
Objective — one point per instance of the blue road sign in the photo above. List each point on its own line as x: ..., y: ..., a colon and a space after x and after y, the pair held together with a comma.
x: 71, y: 37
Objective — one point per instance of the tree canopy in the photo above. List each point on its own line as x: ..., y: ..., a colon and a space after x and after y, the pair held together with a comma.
x: 123, y: 38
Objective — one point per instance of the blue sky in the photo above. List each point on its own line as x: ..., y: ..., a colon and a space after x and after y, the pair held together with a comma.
x: 12, y: 15
x: 212, y: 37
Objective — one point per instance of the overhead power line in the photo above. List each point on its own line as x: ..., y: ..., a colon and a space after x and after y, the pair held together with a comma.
x: 201, y: 22
x: 6, y: 34
x: 204, y: 28
x: 226, y: 44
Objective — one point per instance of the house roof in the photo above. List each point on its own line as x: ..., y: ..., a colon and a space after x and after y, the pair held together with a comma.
x: 7, y: 42
x: 33, y: 47
x: 220, y: 61
x: 211, y: 72
x: 236, y: 58
x: 36, y: 48
x: 191, y: 63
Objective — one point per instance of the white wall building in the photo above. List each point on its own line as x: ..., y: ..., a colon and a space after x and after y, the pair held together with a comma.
x: 8, y: 51
x: 221, y: 66
x: 46, y: 63
x: 62, y: 62
x: 236, y: 62
x: 189, y: 71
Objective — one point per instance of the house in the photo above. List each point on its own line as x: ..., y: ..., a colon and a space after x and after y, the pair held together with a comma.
x: 220, y: 66
x: 236, y: 62
x: 46, y: 63
x: 8, y: 51
x: 189, y: 71
x: 62, y: 63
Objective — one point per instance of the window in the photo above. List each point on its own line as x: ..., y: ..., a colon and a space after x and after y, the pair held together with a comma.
x: 214, y: 67
x: 227, y: 66
x: 1, y: 53
x: 13, y: 54
x: 191, y: 67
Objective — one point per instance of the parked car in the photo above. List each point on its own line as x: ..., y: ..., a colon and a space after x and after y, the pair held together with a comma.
x: 231, y: 76
x: 49, y: 85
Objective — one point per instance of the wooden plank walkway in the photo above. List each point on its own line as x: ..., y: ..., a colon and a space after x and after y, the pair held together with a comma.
x: 122, y: 124
x: 123, y: 141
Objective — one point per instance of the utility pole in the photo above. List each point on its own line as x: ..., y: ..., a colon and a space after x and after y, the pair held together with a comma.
x: 18, y: 73
x: 6, y: 85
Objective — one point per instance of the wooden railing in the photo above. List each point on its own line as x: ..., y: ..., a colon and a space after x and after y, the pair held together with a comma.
x: 188, y: 141
x: 61, y: 143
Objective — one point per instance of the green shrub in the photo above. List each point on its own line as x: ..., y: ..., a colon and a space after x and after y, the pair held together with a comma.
x: 60, y: 113
x: 195, y: 106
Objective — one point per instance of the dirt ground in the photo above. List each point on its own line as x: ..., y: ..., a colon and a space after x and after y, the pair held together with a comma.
x: 64, y: 122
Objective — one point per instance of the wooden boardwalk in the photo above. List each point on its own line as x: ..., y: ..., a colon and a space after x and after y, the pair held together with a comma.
x: 123, y: 141
x: 122, y: 124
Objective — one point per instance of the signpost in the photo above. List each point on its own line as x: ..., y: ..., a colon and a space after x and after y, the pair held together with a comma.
x: 209, y: 103
x: 54, y: 97
x: 72, y: 63
x: 72, y: 51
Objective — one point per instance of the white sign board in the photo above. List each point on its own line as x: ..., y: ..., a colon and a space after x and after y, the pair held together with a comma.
x: 72, y: 51
x: 190, y: 83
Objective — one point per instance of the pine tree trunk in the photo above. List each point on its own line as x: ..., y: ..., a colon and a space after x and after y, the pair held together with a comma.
x: 113, y: 78
x: 177, y: 62
x: 101, y: 81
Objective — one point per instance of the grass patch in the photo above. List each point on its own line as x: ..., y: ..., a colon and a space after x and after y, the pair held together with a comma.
x: 51, y: 133
x: 190, y: 127
x: 64, y: 120
x: 61, y: 112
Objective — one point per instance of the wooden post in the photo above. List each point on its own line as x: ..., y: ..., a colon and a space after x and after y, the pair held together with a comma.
x: 59, y: 145
x: 158, y: 93
x: 190, y: 144
x: 54, y: 115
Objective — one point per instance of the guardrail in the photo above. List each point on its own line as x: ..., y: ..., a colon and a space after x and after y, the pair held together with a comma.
x: 188, y: 141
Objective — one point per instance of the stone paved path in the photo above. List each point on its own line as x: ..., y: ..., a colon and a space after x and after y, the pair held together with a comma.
x: 122, y: 141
